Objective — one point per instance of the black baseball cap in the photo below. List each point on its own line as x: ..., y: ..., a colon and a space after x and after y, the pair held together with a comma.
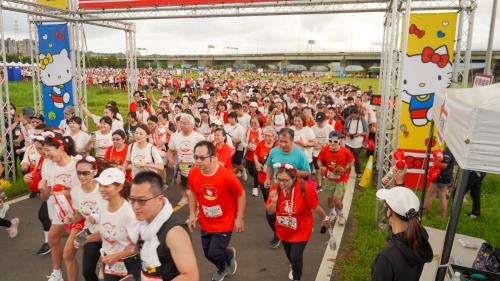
x: 320, y: 116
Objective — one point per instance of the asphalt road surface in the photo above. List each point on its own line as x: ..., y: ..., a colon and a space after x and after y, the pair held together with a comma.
x: 256, y: 261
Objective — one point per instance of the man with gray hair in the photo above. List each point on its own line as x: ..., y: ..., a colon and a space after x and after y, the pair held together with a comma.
x: 181, y: 147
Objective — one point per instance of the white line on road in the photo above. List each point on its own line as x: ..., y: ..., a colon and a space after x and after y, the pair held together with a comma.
x: 326, y: 268
x: 18, y: 199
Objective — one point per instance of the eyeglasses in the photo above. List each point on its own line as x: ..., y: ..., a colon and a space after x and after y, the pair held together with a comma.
x: 83, y: 173
x: 334, y: 141
x: 139, y: 201
x: 201, y: 158
x: 116, y: 139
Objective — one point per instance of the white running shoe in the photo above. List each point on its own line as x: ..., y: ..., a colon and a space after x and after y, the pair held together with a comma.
x: 341, y: 219
x: 255, y: 192
x: 12, y: 230
x: 238, y: 174
x: 183, y: 201
x: 290, y: 274
x: 244, y: 175
x: 55, y: 277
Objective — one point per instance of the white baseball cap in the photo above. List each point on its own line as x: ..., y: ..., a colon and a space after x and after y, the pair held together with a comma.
x: 110, y: 176
x: 400, y: 199
x: 253, y: 104
x: 217, y: 122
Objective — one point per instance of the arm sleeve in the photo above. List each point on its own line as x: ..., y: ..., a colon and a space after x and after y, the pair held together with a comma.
x: 96, y: 119
x: 311, y: 196
x: 129, y: 153
x: 269, y: 161
x: 303, y: 164
x: 365, y: 125
x: 25, y: 158
x: 156, y: 156
x: 234, y: 184
x: 382, y: 269
x: 107, y: 155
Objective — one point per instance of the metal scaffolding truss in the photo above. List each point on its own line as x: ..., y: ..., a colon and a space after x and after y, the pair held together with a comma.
x: 299, y: 7
x: 131, y: 54
x: 392, y: 63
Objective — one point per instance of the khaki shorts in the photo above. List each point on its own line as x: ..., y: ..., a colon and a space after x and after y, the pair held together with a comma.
x: 334, y: 189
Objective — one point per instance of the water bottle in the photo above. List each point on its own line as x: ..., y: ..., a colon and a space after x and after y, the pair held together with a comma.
x: 332, y: 242
x: 389, y: 176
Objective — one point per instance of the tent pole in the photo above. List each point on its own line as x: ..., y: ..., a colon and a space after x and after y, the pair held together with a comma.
x: 451, y: 228
x: 426, y: 169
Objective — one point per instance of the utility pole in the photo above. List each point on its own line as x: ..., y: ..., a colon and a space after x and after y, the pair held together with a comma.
x: 489, y: 52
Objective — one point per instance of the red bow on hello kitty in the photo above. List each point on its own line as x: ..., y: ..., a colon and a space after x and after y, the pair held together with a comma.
x: 428, y: 55
x: 418, y: 32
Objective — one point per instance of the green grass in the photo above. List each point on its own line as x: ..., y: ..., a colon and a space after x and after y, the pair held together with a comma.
x: 366, y: 240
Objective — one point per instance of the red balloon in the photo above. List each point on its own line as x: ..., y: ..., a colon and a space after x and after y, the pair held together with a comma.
x: 399, y: 155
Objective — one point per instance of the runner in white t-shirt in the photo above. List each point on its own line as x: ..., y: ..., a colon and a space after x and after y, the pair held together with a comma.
x: 102, y: 138
x: 304, y: 136
x: 142, y: 155
x: 181, y: 147
x: 60, y: 170
x: 80, y: 137
x: 322, y: 131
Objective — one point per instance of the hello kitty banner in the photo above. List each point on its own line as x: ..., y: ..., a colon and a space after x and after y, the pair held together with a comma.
x: 427, y: 67
x: 55, y: 71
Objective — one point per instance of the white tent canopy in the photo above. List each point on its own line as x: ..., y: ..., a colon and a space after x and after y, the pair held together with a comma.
x: 468, y: 120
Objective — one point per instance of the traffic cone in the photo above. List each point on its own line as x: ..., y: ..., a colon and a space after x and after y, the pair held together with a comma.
x: 366, y: 179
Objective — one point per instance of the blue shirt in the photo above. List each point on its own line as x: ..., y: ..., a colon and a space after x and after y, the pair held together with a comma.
x: 297, y: 158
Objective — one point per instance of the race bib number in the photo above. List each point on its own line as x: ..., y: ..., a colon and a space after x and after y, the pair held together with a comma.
x: 332, y: 175
x: 116, y: 269
x: 212, y: 212
x: 289, y: 222
x: 252, y: 147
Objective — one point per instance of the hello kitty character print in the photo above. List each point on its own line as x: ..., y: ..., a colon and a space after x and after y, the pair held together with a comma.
x: 55, y: 72
x: 423, y: 74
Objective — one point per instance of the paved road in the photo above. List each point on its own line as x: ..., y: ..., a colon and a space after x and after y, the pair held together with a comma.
x: 256, y: 261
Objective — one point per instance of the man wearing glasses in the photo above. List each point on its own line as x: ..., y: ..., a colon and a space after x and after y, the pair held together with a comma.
x: 335, y: 162
x: 165, y: 246
x: 221, y: 200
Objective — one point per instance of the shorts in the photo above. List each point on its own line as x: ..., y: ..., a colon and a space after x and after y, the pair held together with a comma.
x: 441, y: 185
x: 238, y: 157
x: 334, y: 189
x: 184, y: 182
x: 315, y: 163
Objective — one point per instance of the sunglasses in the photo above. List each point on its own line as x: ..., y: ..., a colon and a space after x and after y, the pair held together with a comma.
x: 140, y: 202
x: 334, y: 141
x: 83, y: 173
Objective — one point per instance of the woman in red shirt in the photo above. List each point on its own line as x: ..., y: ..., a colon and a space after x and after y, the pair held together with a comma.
x: 252, y: 137
x: 223, y: 151
x: 117, y: 153
x: 222, y: 111
x: 293, y: 201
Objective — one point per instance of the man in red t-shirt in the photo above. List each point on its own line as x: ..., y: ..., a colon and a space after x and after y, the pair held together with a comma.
x: 221, y: 207
x: 335, y: 161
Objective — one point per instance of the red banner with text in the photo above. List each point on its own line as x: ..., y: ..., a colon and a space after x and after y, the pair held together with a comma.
x: 113, y: 4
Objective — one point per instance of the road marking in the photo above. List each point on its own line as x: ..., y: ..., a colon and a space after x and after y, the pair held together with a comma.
x: 326, y: 267
x: 18, y: 199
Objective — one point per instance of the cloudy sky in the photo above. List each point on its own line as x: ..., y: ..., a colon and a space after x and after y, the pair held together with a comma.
x: 333, y: 32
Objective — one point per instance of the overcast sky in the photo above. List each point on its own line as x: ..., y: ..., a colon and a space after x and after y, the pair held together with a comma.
x: 333, y: 32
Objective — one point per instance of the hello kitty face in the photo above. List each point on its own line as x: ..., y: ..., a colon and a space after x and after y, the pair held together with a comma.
x: 425, y: 73
x: 55, y: 69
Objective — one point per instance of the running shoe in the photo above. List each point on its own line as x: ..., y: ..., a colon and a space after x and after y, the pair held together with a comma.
x: 55, y: 277
x: 275, y: 243
x: 233, y: 265
x: 33, y: 194
x: 341, y: 219
x: 219, y: 276
x: 12, y: 230
x: 255, y: 192
x: 44, y: 249
x: 244, y: 175
x: 290, y: 274
x: 183, y: 201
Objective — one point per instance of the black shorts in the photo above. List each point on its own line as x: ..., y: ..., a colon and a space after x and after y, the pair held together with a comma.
x: 184, y: 182
x: 238, y: 157
x: 315, y: 163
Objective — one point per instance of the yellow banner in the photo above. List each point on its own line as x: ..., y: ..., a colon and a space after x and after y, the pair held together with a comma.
x: 427, y: 67
x: 61, y: 4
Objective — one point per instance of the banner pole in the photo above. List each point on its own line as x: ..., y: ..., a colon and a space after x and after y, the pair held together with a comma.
x: 426, y: 169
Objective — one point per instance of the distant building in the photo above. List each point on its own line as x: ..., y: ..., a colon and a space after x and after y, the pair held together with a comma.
x: 21, y: 47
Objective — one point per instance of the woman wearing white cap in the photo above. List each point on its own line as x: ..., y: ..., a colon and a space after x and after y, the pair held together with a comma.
x: 408, y: 248
x: 119, y: 255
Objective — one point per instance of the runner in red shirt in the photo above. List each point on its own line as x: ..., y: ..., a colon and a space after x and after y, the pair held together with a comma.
x: 253, y: 136
x: 335, y: 162
x: 293, y: 200
x: 223, y: 151
x: 117, y: 153
x: 221, y: 207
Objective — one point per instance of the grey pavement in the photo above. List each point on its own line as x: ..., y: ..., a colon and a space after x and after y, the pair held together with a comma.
x: 256, y: 261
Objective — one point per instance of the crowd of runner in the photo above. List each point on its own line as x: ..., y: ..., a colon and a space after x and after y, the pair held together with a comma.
x: 211, y: 136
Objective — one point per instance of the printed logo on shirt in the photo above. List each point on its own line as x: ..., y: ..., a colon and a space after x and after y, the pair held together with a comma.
x: 209, y: 192
x: 63, y: 179
x: 108, y: 231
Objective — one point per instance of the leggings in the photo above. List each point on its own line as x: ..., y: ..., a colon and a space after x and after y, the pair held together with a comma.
x: 133, y: 265
x: 295, y: 252
x: 250, y: 165
x: 271, y: 218
x: 91, y: 255
x: 4, y: 222
x: 356, y: 152
x: 43, y: 216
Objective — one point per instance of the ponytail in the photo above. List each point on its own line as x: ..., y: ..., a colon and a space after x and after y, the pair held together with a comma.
x: 413, y: 235
x: 125, y: 192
